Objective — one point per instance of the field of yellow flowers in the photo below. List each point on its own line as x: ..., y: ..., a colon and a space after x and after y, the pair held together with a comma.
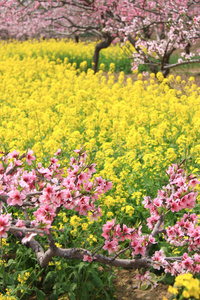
x: 132, y: 129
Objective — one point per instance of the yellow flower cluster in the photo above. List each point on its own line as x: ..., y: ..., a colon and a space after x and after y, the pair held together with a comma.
x: 7, y: 296
x: 23, y: 278
x: 187, y: 286
x: 58, y: 265
x: 91, y: 239
x: 75, y: 222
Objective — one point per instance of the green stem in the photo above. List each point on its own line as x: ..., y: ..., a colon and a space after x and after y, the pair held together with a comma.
x: 31, y: 282
x: 3, y: 284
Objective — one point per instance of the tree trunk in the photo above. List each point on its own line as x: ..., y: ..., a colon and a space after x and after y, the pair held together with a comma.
x: 165, y: 62
x: 165, y: 72
x: 102, y: 45
x: 76, y: 38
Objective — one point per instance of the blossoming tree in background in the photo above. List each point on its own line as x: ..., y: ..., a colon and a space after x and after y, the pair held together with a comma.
x: 40, y: 193
x: 156, y: 28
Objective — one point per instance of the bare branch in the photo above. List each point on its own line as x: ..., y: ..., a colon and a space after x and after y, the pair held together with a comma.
x: 192, y: 61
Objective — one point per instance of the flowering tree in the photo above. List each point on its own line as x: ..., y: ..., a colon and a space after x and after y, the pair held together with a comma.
x: 39, y: 194
x: 155, y: 28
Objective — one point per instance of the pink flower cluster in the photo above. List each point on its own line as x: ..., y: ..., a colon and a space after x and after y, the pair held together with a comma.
x: 145, y: 278
x: 113, y: 234
x: 179, y: 194
x: 184, y: 264
x: 185, y: 232
x: 47, y: 190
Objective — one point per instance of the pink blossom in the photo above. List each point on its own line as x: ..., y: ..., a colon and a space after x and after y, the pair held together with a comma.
x: 139, y: 249
x: 111, y: 246
x: 187, y: 262
x: 159, y: 259
x: 88, y: 258
x: 157, y: 202
x: 20, y: 223
x: 126, y: 232
x: 151, y: 221
x: 28, y: 237
x: 18, y: 163
x: 30, y: 157
x: 107, y: 228
x: 193, y: 182
x: 96, y: 214
x: 4, y: 225
x: 92, y: 169
x: 13, y: 154
x: 15, y: 197
x: 117, y: 230
x: 77, y: 151
x: 107, y: 186
x: 144, y: 278
x: 82, y: 177
x: 147, y: 202
x: 58, y: 152
x: 45, y: 213
x: 152, y: 239
x: 83, y: 206
x: 175, y: 206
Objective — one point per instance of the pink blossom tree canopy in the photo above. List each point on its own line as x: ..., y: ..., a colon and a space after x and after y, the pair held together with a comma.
x: 156, y: 28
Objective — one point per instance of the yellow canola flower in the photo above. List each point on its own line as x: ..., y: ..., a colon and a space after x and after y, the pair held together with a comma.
x: 109, y: 214
x: 75, y: 221
x: 173, y: 290
x: 91, y: 239
x: 160, y: 76
x: 23, y: 278
x: 58, y: 245
x: 187, y: 286
x: 84, y: 226
x: 128, y: 210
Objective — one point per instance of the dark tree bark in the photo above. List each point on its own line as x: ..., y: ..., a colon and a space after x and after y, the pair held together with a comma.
x: 187, y: 48
x: 102, y: 45
x: 76, y: 38
x: 165, y: 62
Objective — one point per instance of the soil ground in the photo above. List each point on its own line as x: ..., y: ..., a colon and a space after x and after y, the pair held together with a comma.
x: 126, y: 288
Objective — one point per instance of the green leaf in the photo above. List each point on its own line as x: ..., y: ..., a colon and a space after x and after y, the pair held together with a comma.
x: 70, y: 295
x: 107, y: 295
x: 50, y: 279
x: 167, y: 279
x: 81, y: 266
x: 110, y: 281
x: 40, y: 294
x: 96, y: 280
x: 9, y: 279
x: 84, y: 293
x: 73, y: 286
x: 34, y: 276
x: 144, y: 287
x: 54, y: 296
x: 89, y: 286
x: 10, y: 262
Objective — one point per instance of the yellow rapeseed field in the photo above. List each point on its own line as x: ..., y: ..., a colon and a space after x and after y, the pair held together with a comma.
x: 133, y: 130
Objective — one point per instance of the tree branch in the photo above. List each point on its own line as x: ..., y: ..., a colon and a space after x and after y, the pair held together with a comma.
x: 182, y: 63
